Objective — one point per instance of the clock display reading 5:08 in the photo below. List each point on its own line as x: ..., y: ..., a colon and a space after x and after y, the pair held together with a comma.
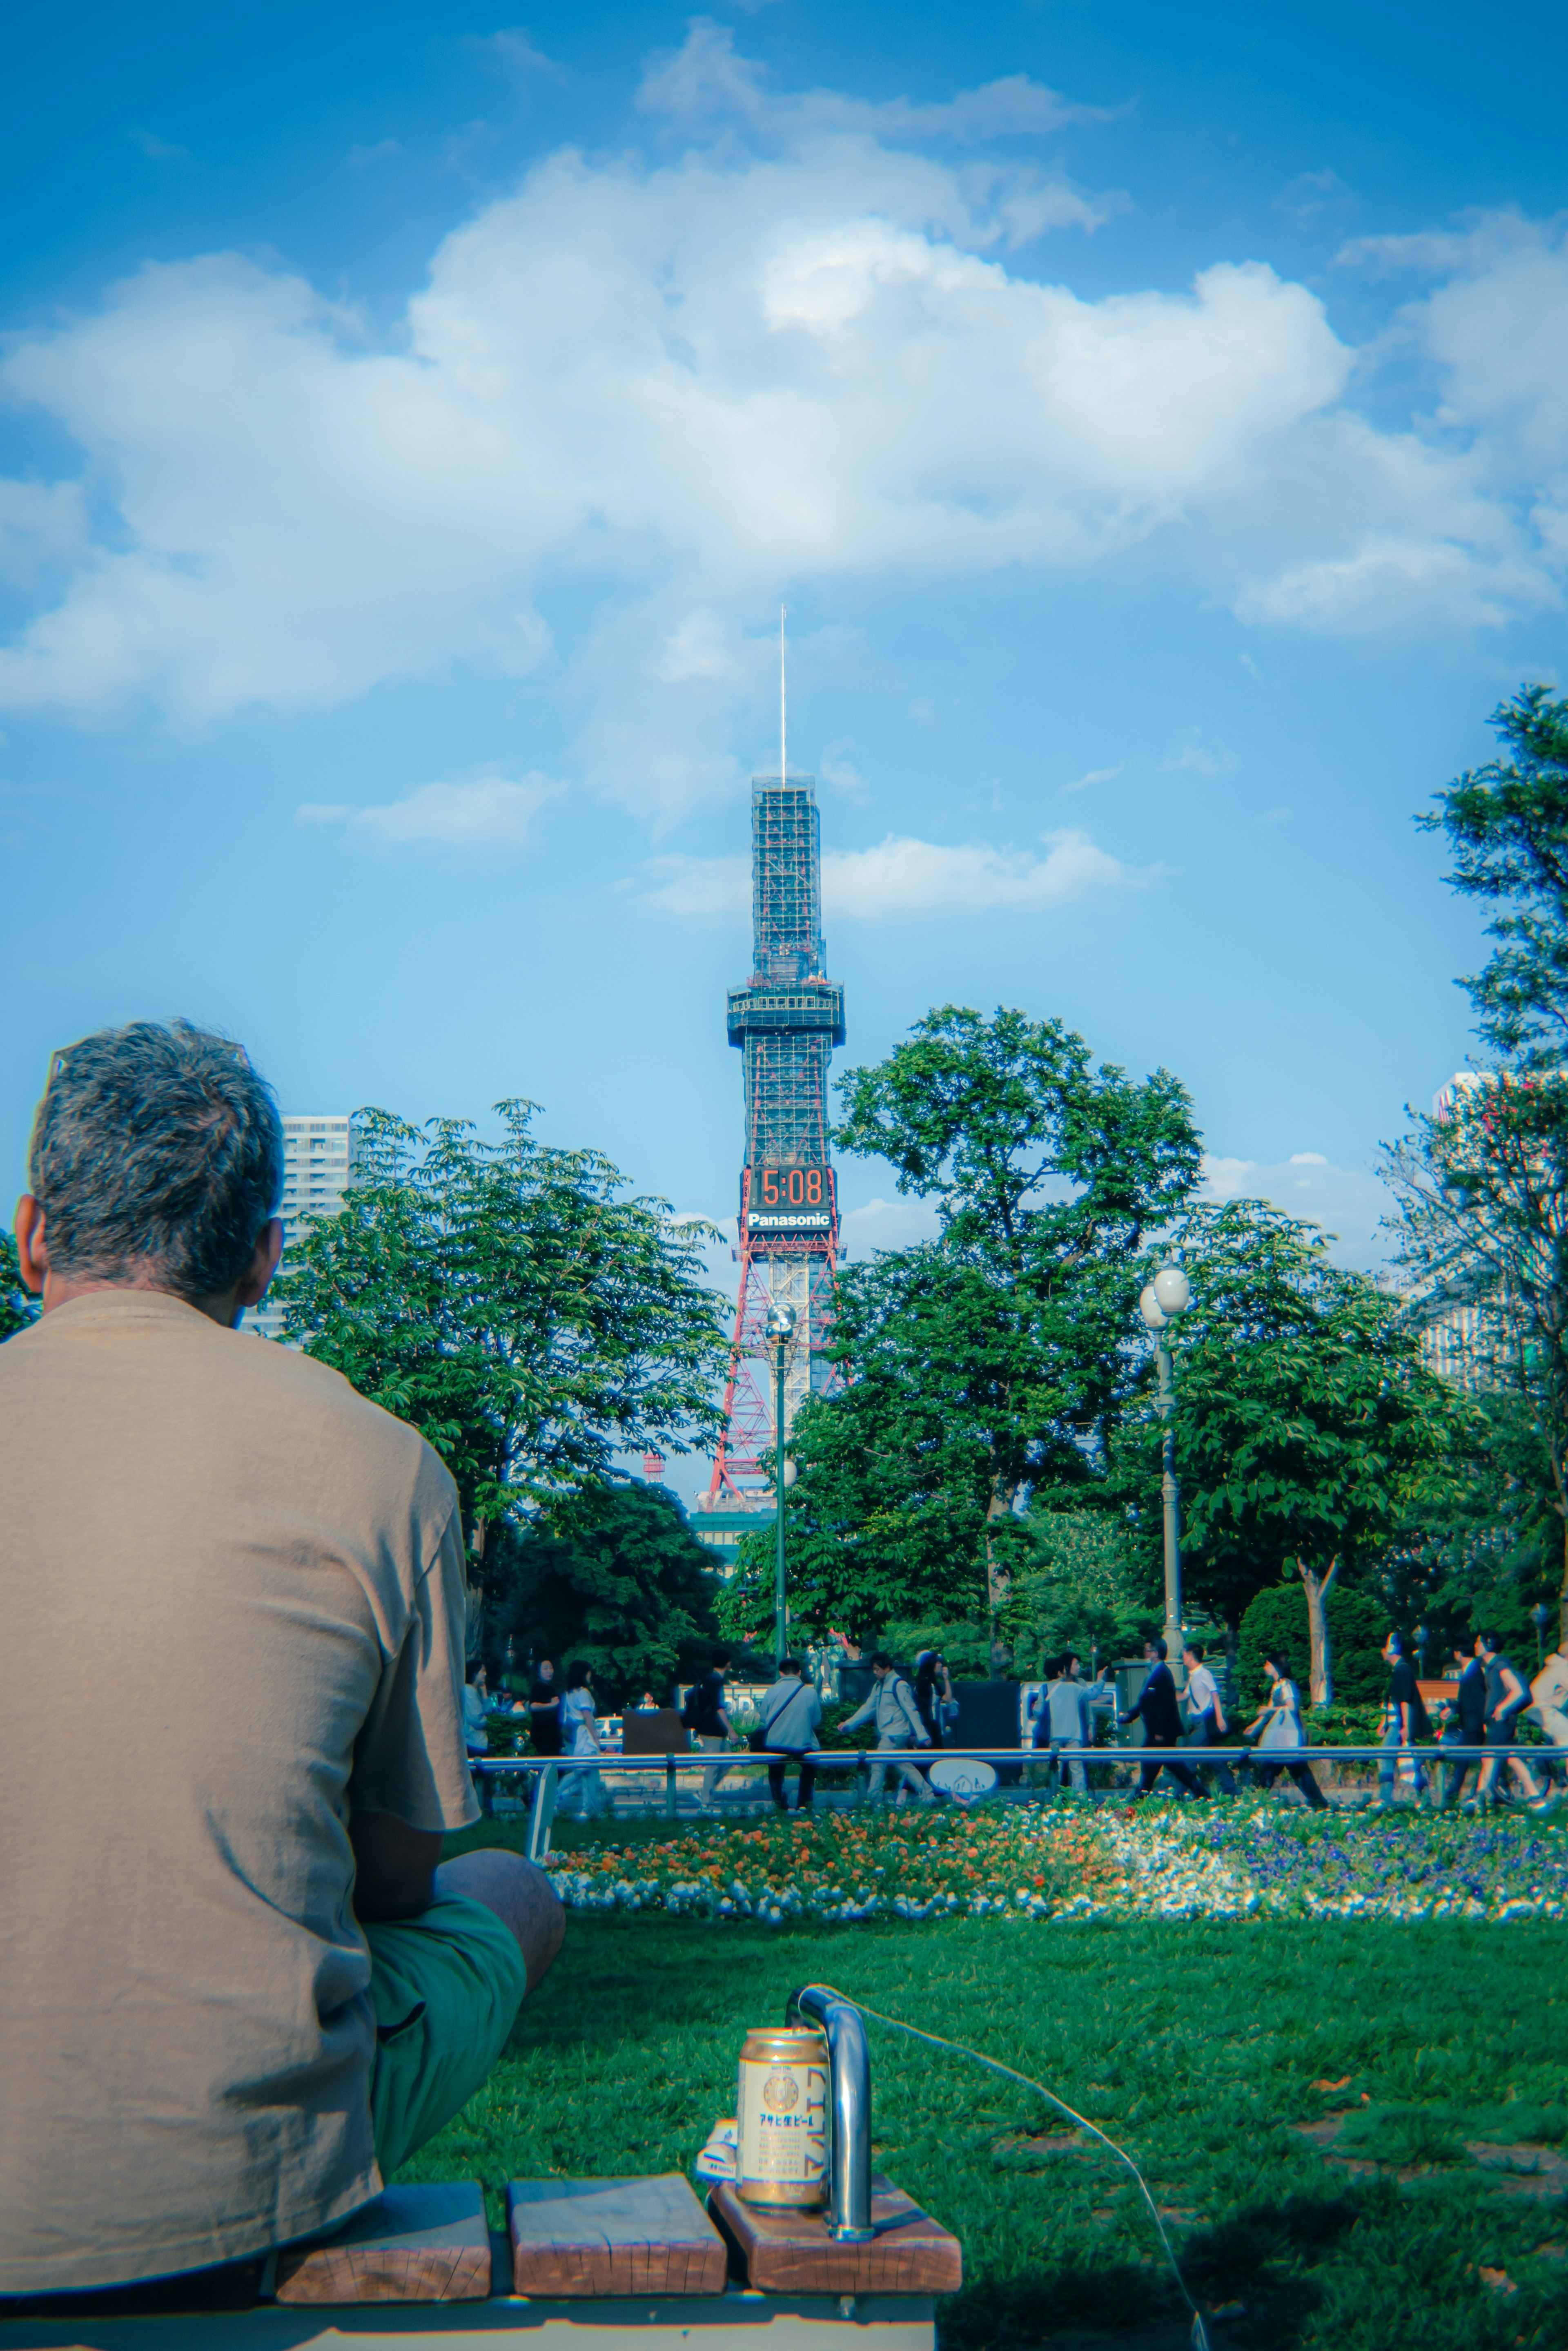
x: 793, y: 1187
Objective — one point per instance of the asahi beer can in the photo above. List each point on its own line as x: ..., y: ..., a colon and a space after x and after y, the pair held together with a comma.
x: 784, y: 2117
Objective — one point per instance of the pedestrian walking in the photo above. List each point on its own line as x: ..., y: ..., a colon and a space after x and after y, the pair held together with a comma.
x: 1465, y: 1726
x: 704, y: 1716
x: 1506, y: 1696
x: 475, y: 1736
x: 933, y: 1693
x: 1208, y: 1710
x: 1279, y: 1725
x: 891, y: 1707
x: 790, y: 1713
x: 1405, y: 1719
x: 580, y: 1735
x: 545, y: 1710
x: 1158, y: 1712
x: 1063, y: 1718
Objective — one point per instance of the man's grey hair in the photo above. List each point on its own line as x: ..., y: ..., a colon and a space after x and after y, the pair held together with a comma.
x: 156, y: 1156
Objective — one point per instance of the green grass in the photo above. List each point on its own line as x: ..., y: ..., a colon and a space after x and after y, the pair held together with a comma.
x: 1195, y: 2045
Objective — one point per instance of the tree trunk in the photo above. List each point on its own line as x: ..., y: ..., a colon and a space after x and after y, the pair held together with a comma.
x: 1320, y: 1678
x: 995, y: 1583
x: 1563, y: 1597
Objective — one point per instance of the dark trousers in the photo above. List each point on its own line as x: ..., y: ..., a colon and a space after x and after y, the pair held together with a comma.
x: 1150, y: 1771
x: 1456, y: 1774
x: 1267, y: 1773
x: 807, y: 1779
x: 1205, y: 1734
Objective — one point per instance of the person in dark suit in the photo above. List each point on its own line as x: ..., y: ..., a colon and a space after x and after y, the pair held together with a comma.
x: 1467, y: 1723
x: 1158, y: 1710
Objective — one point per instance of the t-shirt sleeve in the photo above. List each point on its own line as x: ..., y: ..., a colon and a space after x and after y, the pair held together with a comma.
x: 411, y: 1758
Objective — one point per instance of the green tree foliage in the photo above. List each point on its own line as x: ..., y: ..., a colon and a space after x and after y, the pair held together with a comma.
x: 1077, y: 1587
x: 1484, y: 1244
x: 1306, y: 1417
x: 979, y: 1365
x: 509, y: 1302
x: 1507, y: 825
x: 1277, y: 1618
x: 18, y: 1307
x: 619, y: 1582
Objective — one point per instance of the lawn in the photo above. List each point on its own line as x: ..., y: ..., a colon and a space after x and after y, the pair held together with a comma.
x: 1357, y: 2126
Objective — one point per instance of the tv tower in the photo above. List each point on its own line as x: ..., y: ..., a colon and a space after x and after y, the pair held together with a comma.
x: 786, y: 1021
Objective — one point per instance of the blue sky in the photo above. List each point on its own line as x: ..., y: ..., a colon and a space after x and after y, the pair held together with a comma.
x: 411, y: 420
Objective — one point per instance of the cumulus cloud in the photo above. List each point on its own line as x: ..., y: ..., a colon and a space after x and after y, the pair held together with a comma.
x: 486, y: 813
x: 898, y: 879
x: 1347, y: 1202
x: 789, y: 344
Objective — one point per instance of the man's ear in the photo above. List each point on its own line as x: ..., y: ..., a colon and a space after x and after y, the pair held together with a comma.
x: 31, y: 1254
x: 258, y: 1274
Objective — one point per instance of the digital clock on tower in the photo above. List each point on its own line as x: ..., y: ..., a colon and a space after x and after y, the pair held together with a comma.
x: 791, y: 1187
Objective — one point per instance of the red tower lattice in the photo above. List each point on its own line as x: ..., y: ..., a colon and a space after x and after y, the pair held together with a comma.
x: 786, y: 1021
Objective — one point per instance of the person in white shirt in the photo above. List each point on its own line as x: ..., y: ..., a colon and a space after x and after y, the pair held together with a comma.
x: 579, y: 1736
x: 1209, y: 1727
x: 891, y: 1705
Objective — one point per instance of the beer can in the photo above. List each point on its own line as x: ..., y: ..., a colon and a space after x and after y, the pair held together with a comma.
x: 782, y: 2112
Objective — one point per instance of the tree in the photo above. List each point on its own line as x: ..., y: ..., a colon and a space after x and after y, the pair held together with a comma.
x: 1506, y: 823
x: 1078, y: 1586
x: 509, y: 1303
x: 1483, y: 1243
x: 619, y: 1581
x: 1277, y: 1618
x: 1304, y: 1418
x: 997, y: 1353
x: 18, y: 1307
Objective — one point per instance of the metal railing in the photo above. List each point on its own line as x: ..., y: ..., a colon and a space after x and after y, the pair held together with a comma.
x: 548, y: 1770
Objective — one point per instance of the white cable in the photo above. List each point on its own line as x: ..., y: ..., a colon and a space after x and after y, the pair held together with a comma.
x: 1199, y: 2336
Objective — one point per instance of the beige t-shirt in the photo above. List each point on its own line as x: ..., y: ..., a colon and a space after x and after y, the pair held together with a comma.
x: 248, y: 1584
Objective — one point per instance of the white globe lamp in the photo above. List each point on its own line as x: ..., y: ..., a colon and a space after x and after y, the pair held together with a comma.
x: 1172, y: 1290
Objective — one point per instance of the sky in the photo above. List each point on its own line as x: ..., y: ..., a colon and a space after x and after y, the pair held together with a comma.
x: 411, y: 422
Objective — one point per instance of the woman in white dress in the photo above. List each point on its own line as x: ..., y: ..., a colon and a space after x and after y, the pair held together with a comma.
x: 1280, y: 1721
x: 583, y: 1790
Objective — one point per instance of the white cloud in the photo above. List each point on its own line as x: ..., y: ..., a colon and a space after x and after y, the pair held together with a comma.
x: 900, y: 879
x: 1347, y: 1202
x: 700, y: 889
x: 1197, y: 760
x: 1095, y: 776
x: 887, y: 1225
x: 791, y: 347
x: 486, y: 813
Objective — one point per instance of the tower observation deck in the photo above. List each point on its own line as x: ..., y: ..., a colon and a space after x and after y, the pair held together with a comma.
x: 786, y: 1021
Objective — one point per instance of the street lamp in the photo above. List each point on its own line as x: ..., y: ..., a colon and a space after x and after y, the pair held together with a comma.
x: 1163, y: 1302
x: 1539, y: 1617
x: 781, y: 1329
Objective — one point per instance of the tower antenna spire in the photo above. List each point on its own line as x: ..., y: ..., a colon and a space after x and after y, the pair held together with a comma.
x: 784, y: 762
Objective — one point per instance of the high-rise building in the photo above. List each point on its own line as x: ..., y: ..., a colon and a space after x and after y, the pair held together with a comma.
x: 318, y: 1165
x: 786, y: 1021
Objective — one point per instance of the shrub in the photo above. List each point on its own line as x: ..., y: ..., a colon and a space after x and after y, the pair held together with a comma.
x: 1358, y: 1628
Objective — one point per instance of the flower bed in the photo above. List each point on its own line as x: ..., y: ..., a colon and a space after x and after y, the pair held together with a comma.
x: 1251, y: 1859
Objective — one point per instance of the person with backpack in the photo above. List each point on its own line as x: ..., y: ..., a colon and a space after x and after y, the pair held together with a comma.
x: 704, y: 1716
x: 1465, y: 1726
x: 891, y: 1705
x: 1406, y: 1720
x: 790, y: 1713
x: 1506, y: 1696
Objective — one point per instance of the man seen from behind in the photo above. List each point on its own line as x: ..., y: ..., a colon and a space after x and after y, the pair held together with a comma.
x: 236, y: 1989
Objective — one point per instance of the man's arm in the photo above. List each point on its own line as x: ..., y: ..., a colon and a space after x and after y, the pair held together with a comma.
x: 394, y: 1866
x: 864, y: 1714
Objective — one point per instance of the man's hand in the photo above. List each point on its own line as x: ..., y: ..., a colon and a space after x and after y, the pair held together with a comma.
x: 394, y: 1866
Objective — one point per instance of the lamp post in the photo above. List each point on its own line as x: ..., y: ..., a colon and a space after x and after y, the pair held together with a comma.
x: 1539, y: 1617
x: 781, y: 1327
x: 1166, y: 1298
x: 1422, y: 1638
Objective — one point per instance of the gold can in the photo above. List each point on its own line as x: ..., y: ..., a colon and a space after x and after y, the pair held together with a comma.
x: 783, y: 2110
